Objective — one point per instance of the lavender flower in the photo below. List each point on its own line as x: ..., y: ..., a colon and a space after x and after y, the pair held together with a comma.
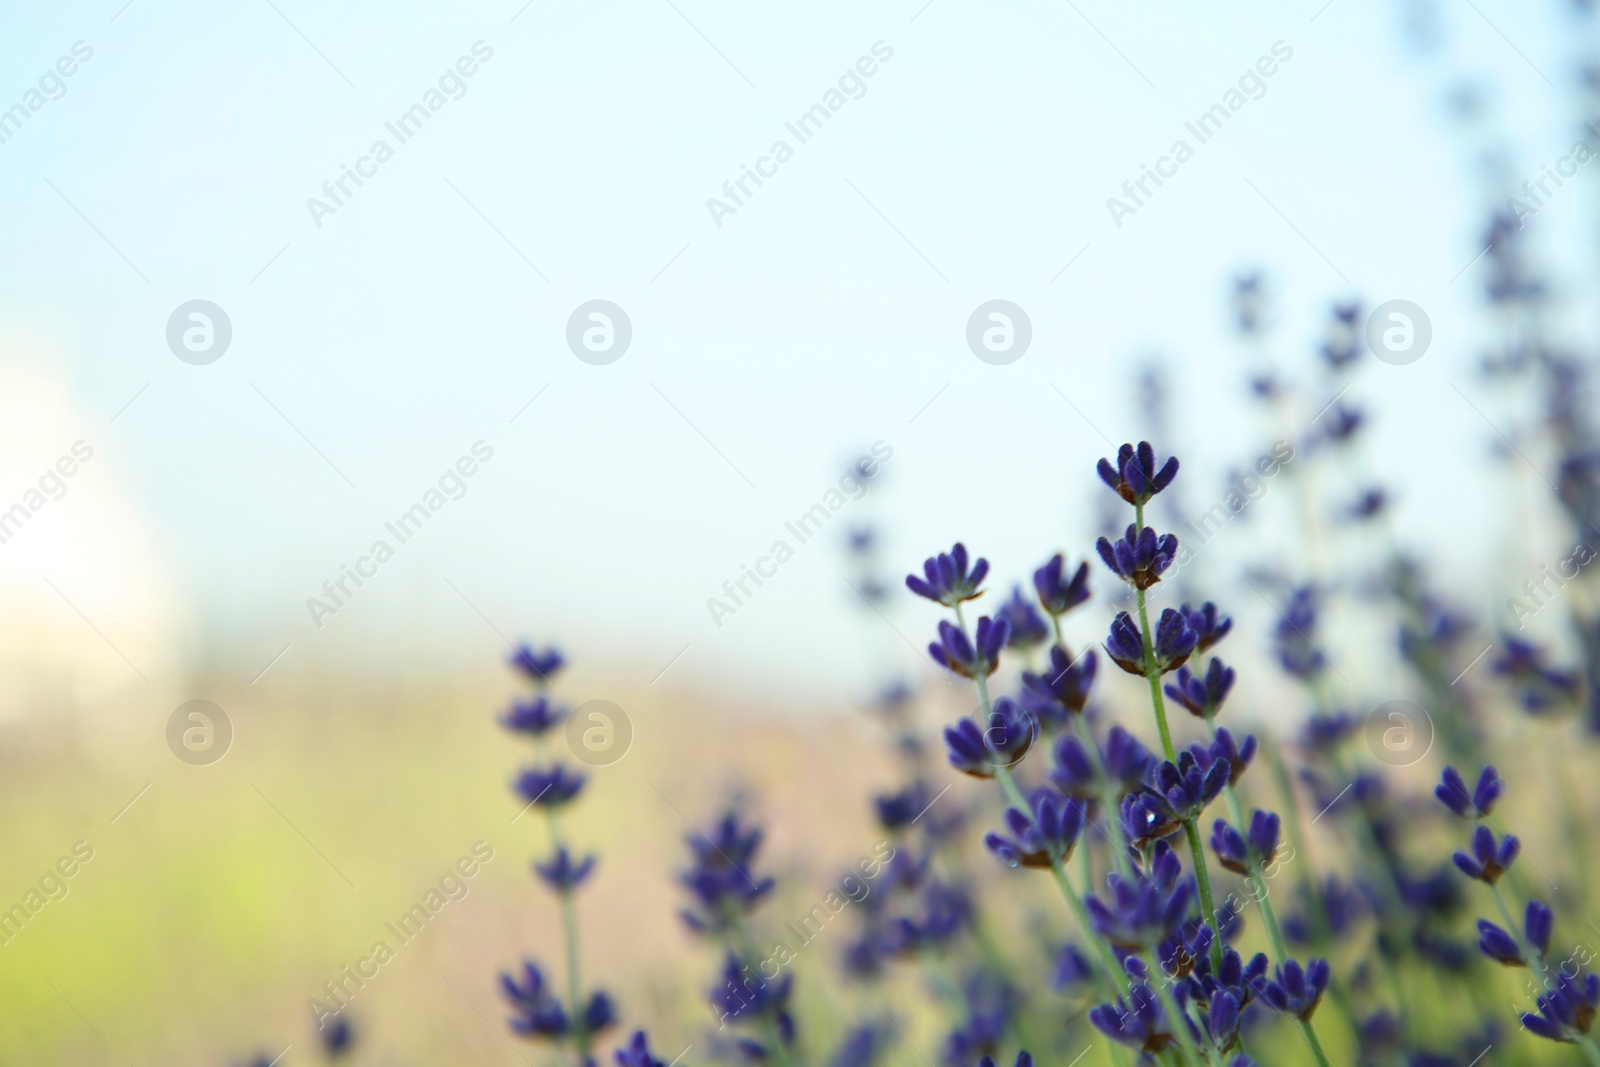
x: 1023, y: 1060
x: 338, y: 1037
x: 1174, y: 642
x: 534, y: 717
x: 720, y: 878
x: 1223, y: 747
x: 1186, y: 786
x: 549, y: 787
x: 1245, y: 856
x: 538, y: 1012
x: 1009, y: 734
x: 1028, y: 628
x: 948, y: 580
x: 1499, y: 945
x: 1125, y: 760
x: 1488, y: 859
x: 1042, y: 836
x: 1072, y: 969
x: 862, y: 1047
x: 636, y: 1053
x: 561, y: 873
x: 1566, y: 1010
x: 1202, y: 698
x: 538, y: 667
x: 1139, y: 557
x: 1538, y: 924
x: 1147, y: 818
x: 955, y: 652
x: 1540, y: 688
x: 1066, y: 685
x: 1478, y: 803
x: 1343, y: 343
x: 1137, y: 1021
x: 1296, y: 652
x: 1135, y: 477
x: 1208, y: 624
x: 1058, y: 597
x: 1295, y: 990
x: 744, y: 995
x: 1145, y: 909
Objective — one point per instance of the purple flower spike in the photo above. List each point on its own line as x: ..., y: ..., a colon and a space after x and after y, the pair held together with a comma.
x: 636, y: 1053
x: 1203, y: 697
x: 1488, y: 859
x: 538, y: 1012
x: 1209, y: 625
x: 533, y: 717
x: 1135, y: 477
x: 1294, y: 990
x: 1537, y: 925
x: 955, y: 652
x: 1224, y: 747
x: 1124, y: 645
x: 1028, y: 628
x: 548, y: 787
x: 1067, y: 683
x: 981, y: 749
x: 539, y: 667
x: 1058, y: 597
x: 562, y: 874
x: 1476, y: 804
x: 1140, y: 556
x: 1174, y: 642
x: 1187, y: 786
x: 1146, y: 909
x: 1499, y: 945
x: 1039, y: 837
x: 1567, y: 1009
x: 720, y: 878
x: 1138, y: 1021
x: 1243, y: 855
x: 948, y: 580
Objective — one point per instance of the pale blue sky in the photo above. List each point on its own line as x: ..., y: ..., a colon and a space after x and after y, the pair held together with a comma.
x: 819, y: 318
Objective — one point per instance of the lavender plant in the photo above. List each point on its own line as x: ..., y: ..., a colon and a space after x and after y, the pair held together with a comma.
x: 550, y: 786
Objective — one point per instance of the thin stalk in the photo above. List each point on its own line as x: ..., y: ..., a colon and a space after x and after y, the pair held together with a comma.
x: 569, y: 936
x: 1152, y: 674
x: 1175, y: 1016
x: 1203, y: 877
x: 1311, y: 1039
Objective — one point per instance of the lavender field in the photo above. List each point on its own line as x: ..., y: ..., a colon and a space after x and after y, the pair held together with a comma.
x: 661, y: 535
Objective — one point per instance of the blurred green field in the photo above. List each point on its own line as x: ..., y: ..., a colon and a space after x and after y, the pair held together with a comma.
x: 225, y: 896
x: 219, y: 903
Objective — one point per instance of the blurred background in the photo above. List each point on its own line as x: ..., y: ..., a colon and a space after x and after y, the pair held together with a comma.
x: 363, y: 343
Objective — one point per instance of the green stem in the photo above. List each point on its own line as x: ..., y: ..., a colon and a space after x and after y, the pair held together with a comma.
x: 1203, y: 877
x: 1311, y: 1039
x: 1175, y: 1017
x: 1152, y: 674
x: 1269, y: 917
x: 569, y: 935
